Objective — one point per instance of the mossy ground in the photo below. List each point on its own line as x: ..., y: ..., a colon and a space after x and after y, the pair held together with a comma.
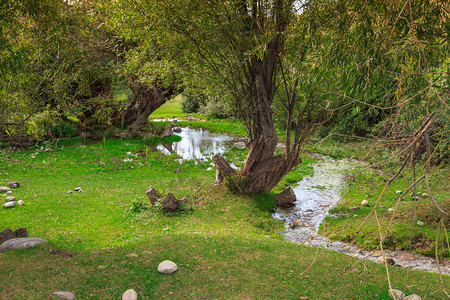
x: 227, y: 246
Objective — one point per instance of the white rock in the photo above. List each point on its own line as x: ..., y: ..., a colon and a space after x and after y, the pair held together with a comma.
x: 130, y: 295
x: 20, y: 202
x: 240, y: 145
x: 78, y: 189
x: 9, y: 192
x: 10, y: 199
x: 9, y: 204
x: 64, y: 295
x: 167, y: 267
x: 420, y: 223
x: 413, y: 297
x: 424, y: 195
x: 391, y: 209
x: 364, y: 203
x: 398, y: 192
x: 398, y: 294
x: 69, y: 192
x: 4, y: 189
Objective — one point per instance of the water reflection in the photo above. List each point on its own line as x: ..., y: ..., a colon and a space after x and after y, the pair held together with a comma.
x: 198, y: 144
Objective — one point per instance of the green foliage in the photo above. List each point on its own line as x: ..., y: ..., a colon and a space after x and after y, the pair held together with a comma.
x: 64, y: 130
x: 191, y: 101
x: 217, y: 108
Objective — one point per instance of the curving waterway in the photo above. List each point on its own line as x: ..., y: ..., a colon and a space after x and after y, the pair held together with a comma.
x: 316, y: 196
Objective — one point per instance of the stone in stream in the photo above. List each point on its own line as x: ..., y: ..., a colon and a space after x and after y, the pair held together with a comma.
x: 412, y: 297
x: 9, y: 204
x: 364, y: 203
x: 21, y: 232
x: 8, y: 199
x: 389, y: 261
x: 130, y: 295
x: 6, y: 234
x: 167, y: 267
x: 20, y: 243
x: 286, y: 198
x: 64, y: 294
x: 396, y: 294
x: 177, y: 129
x: 20, y: 202
x: 13, y: 185
x: 4, y: 189
x: 152, y: 195
x: 239, y: 145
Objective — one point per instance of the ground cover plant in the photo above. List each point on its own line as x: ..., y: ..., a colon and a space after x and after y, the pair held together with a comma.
x: 227, y: 246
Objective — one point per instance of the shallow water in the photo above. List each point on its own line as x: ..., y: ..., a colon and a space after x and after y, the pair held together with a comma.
x: 316, y: 196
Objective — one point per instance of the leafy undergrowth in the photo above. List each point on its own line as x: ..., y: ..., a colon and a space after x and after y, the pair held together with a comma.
x: 406, y: 230
x: 226, y: 246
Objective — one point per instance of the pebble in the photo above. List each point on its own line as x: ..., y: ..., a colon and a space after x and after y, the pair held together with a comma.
x: 79, y: 190
x: 398, y: 294
x: 69, y: 192
x: 364, y: 203
x: 132, y: 255
x: 368, y: 242
x: 167, y: 267
x: 398, y: 192
x: 9, y: 204
x: 420, y: 223
x: 8, y: 199
x: 354, y: 208
x: 130, y: 295
x: 64, y: 294
x: 425, y: 195
x: 391, y: 209
x: 9, y: 192
x: 20, y: 202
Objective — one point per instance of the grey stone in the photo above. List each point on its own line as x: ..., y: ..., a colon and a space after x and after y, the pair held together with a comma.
x: 79, y: 190
x: 286, y: 198
x: 21, y: 232
x: 420, y: 223
x: 69, y: 192
x: 397, y: 293
x: 240, y: 145
x: 4, y: 189
x: 9, y: 204
x: 20, y: 202
x: 9, y: 192
x: 130, y: 295
x: 20, y: 243
x: 8, y: 199
x: 152, y: 194
x: 64, y: 294
x: 6, y: 234
x: 364, y: 203
x: 177, y: 129
x: 167, y: 267
x: 354, y: 208
x: 413, y: 297
x: 13, y: 185
x: 391, y: 209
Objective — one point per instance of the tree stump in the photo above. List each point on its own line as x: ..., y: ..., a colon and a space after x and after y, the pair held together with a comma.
x: 152, y: 195
x: 168, y: 131
x: 223, y: 168
x: 286, y: 198
x: 171, y: 203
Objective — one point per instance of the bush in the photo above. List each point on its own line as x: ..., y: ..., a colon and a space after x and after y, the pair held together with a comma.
x: 191, y: 102
x: 216, y: 108
x: 64, y: 130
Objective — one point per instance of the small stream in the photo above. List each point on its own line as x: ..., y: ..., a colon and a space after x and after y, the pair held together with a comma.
x: 316, y: 195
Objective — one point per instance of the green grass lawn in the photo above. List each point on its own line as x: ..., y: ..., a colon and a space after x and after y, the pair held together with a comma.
x: 226, y: 246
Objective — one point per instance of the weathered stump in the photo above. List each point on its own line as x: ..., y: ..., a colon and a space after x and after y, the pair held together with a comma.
x: 286, y: 198
x: 223, y: 168
x: 171, y: 203
x: 152, y: 194
x: 168, y: 131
